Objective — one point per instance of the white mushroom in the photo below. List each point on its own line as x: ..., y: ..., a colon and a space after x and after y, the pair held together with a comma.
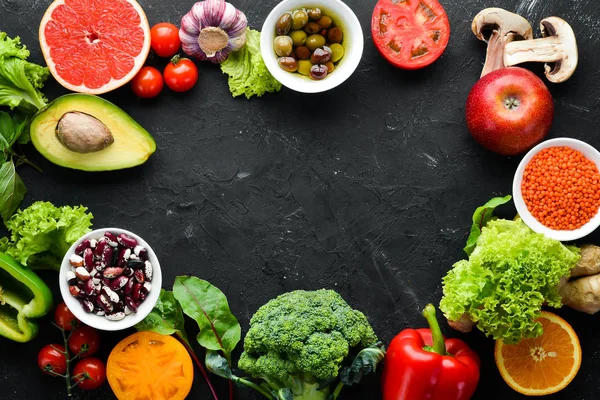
x: 498, y: 27
x: 558, y: 49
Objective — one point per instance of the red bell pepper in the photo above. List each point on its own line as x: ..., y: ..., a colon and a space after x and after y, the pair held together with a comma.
x: 420, y: 364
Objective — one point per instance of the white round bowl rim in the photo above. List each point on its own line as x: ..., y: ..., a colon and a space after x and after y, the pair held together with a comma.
x: 564, y: 236
x: 299, y: 82
x: 100, y: 322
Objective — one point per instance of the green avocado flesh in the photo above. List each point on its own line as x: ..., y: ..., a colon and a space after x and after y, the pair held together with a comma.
x: 132, y: 144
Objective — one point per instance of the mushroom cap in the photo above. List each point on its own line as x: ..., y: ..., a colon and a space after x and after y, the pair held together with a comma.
x: 564, y: 67
x: 503, y: 21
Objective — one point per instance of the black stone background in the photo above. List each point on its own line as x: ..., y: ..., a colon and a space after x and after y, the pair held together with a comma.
x: 367, y: 189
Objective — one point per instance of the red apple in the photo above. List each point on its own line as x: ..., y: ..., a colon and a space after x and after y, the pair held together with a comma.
x: 509, y: 111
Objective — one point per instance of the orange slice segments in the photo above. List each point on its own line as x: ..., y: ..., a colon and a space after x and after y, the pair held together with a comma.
x: 544, y: 365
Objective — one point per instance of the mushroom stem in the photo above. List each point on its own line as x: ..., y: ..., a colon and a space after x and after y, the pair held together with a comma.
x: 494, y: 58
x: 539, y: 50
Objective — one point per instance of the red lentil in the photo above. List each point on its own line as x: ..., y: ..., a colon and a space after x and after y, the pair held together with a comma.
x: 561, y: 188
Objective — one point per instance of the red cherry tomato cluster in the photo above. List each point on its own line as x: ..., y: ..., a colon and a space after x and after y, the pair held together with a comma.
x: 180, y: 75
x: 82, y: 342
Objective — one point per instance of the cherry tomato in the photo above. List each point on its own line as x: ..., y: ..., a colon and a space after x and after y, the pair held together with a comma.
x: 147, y: 83
x: 89, y: 374
x: 410, y: 34
x: 181, y: 74
x: 64, y: 318
x: 52, y: 359
x: 164, y: 39
x: 84, y: 341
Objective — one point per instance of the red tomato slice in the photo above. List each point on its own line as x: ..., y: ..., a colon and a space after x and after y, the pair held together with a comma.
x: 410, y: 34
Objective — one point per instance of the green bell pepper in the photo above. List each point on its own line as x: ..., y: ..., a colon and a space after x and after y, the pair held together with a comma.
x: 23, y: 297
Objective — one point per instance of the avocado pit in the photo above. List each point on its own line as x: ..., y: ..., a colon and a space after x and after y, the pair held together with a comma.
x: 83, y: 133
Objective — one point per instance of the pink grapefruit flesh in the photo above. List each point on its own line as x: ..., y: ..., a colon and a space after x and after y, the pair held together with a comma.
x: 94, y: 46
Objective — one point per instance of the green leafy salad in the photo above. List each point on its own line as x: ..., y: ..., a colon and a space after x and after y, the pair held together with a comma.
x: 248, y: 74
x: 510, y: 273
x: 20, y: 98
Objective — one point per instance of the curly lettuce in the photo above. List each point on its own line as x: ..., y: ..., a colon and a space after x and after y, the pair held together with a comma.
x: 510, y: 274
x: 42, y: 233
x: 248, y: 74
x: 20, y: 81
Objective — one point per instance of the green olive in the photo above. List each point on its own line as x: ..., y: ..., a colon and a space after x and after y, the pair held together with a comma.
x: 284, y: 24
x: 335, y: 35
x: 299, y: 19
x: 315, y: 41
x: 304, y: 67
x: 314, y: 13
x: 283, y: 46
x: 298, y: 37
x: 337, y: 52
x: 325, y: 22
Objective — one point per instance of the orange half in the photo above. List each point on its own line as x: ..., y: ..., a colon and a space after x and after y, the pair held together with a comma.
x: 544, y: 365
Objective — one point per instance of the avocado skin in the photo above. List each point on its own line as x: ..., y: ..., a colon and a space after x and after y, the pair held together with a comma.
x: 132, y: 146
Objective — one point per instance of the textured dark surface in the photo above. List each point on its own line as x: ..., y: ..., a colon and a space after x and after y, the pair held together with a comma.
x: 367, y: 189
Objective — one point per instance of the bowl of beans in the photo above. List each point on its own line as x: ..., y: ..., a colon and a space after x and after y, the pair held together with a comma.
x: 556, y: 189
x: 311, y: 46
x: 110, y: 279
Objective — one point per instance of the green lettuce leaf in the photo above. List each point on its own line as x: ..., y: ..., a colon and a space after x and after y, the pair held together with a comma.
x: 481, y: 217
x: 20, y: 81
x: 511, y: 273
x: 42, y: 233
x: 248, y: 74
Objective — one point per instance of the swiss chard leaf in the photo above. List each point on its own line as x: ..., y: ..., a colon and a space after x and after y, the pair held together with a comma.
x: 166, y: 318
x: 208, y: 306
x: 481, y: 217
x: 365, y: 363
x: 217, y: 364
x: 12, y: 190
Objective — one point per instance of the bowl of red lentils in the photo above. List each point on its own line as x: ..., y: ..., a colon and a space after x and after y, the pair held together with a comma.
x: 556, y: 189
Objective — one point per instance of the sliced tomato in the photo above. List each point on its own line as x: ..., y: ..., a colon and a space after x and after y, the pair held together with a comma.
x: 410, y: 34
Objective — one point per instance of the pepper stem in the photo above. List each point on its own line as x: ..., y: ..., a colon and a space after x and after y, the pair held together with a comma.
x: 439, y: 345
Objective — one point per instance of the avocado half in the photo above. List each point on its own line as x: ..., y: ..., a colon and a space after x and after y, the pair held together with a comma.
x: 131, y: 145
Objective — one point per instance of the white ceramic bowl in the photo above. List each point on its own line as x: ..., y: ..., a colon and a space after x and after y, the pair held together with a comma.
x: 563, y: 236
x: 100, y: 322
x: 352, y: 41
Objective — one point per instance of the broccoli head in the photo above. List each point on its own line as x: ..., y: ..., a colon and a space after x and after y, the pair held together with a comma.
x: 298, y: 342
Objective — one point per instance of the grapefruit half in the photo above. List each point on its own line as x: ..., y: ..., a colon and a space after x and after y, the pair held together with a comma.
x: 94, y: 46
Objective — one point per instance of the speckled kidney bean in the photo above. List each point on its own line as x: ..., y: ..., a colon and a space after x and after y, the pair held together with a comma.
x: 82, y: 246
x: 88, y: 259
x: 127, y: 241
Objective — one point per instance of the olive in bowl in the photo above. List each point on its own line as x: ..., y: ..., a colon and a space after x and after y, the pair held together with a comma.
x: 110, y: 279
x: 326, y: 40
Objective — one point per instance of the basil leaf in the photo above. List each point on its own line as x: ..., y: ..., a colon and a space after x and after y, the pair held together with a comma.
x: 481, y: 217
x: 207, y: 305
x: 12, y: 190
x: 12, y: 128
x: 166, y: 318
x: 217, y: 364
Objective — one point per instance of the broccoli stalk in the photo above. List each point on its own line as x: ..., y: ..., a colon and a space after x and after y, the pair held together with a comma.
x: 300, y: 343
